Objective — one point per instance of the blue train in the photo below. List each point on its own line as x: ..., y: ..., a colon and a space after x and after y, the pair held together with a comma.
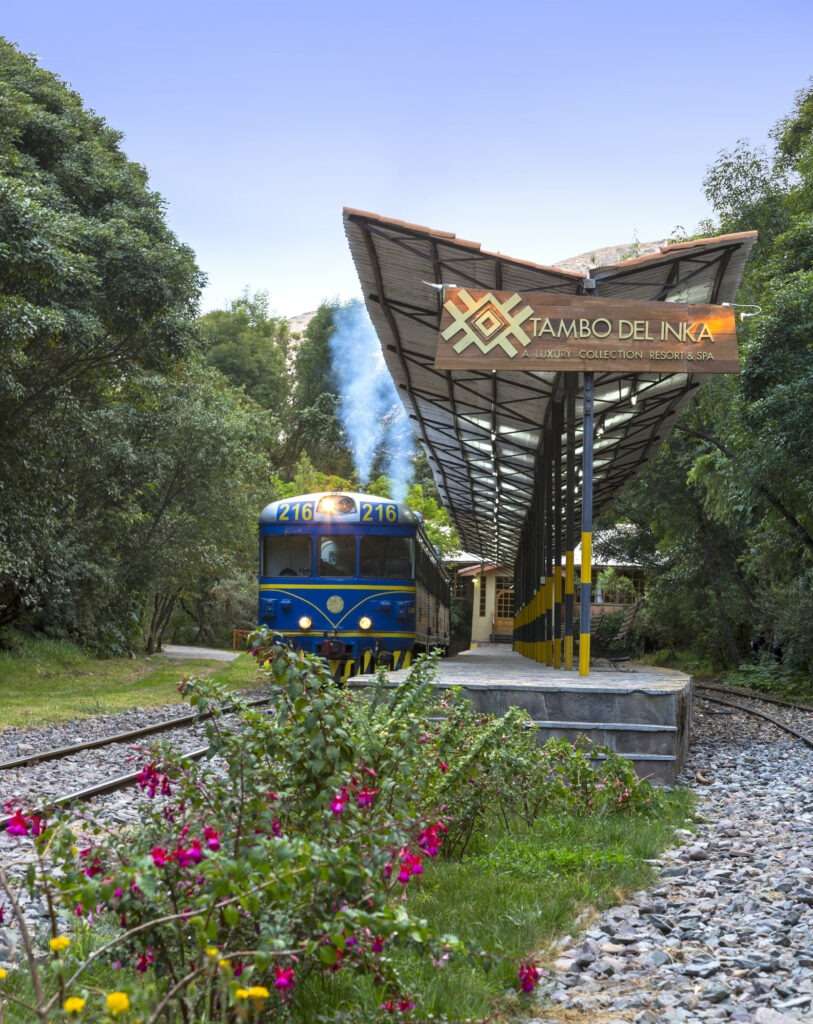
x: 351, y: 577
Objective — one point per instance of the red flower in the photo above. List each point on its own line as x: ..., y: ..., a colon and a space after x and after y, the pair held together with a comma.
x: 212, y: 837
x: 366, y: 797
x: 377, y: 944
x: 18, y: 825
x: 276, y: 828
x: 284, y: 977
x: 529, y: 975
x: 37, y: 824
x: 160, y: 857
x: 444, y: 767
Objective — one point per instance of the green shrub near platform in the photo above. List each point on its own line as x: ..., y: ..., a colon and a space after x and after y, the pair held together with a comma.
x: 288, y: 872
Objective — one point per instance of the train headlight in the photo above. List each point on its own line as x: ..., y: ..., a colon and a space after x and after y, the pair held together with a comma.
x: 365, y: 622
x: 305, y: 622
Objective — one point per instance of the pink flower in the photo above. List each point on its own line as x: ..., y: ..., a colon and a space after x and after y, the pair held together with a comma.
x: 411, y: 864
x: 366, y: 797
x: 238, y: 967
x: 430, y: 839
x: 444, y: 767
x: 118, y: 892
x: 193, y: 854
x: 18, y: 825
x: 160, y: 857
x: 153, y: 781
x: 405, y: 1005
x: 276, y: 828
x: 377, y: 945
x: 146, y: 959
x: 284, y: 977
x: 339, y: 801
x: 529, y: 975
x: 37, y: 824
x: 212, y: 837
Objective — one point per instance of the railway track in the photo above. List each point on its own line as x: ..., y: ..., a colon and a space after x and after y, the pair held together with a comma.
x: 794, y: 719
x: 110, y: 785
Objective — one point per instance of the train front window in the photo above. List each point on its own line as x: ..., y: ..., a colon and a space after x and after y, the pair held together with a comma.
x: 337, y: 556
x: 387, y: 557
x: 286, y: 555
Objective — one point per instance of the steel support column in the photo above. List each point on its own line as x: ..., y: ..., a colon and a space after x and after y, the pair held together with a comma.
x: 585, y: 595
x: 571, y: 380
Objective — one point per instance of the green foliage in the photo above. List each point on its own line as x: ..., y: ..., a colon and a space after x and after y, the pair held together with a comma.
x: 290, y: 856
x: 250, y: 347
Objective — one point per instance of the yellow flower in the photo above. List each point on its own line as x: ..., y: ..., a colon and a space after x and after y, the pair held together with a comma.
x: 74, y: 1004
x: 60, y: 943
x: 3, y: 974
x: 212, y: 952
x: 241, y: 993
x: 258, y: 992
x: 118, y: 1002
x: 224, y: 965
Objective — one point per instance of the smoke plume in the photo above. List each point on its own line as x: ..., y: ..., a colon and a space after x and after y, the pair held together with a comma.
x: 369, y: 407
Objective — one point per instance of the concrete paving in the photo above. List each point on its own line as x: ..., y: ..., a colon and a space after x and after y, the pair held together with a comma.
x: 497, y: 666
x: 183, y: 653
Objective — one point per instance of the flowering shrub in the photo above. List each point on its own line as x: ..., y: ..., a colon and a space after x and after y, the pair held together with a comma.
x: 288, y: 853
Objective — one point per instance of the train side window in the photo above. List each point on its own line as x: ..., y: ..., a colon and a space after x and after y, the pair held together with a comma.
x: 286, y: 555
x: 337, y: 556
x: 387, y: 557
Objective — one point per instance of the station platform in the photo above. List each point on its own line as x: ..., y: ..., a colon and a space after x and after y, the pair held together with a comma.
x: 641, y: 712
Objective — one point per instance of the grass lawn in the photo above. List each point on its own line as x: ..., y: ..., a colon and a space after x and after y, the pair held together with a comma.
x: 512, y: 896
x: 48, y: 681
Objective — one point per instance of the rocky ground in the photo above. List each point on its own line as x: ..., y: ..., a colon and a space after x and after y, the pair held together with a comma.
x: 27, y: 787
x: 726, y: 932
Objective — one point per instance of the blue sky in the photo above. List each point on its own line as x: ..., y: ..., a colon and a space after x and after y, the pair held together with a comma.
x: 541, y: 129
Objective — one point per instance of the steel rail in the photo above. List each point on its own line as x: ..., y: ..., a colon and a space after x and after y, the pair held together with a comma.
x: 737, y: 691
x: 183, y: 722
x: 783, y: 726
x: 100, y: 789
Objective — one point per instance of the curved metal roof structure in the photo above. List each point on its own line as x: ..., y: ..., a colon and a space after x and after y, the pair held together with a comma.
x: 482, y: 431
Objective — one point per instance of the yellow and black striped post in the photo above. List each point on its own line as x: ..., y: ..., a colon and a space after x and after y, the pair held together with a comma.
x: 585, y: 595
x: 570, y: 512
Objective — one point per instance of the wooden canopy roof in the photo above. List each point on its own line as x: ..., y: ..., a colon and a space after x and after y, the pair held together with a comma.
x: 481, y: 431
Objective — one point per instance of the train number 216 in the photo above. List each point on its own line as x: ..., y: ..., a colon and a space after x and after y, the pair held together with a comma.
x: 296, y: 511
x: 371, y: 513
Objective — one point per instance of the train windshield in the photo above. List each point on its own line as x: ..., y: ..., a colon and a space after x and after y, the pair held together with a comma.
x: 286, y: 555
x: 337, y: 556
x: 387, y: 557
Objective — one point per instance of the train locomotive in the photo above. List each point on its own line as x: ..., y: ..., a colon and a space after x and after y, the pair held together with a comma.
x: 353, y: 578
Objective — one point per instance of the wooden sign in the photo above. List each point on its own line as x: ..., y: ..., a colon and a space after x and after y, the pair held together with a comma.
x: 482, y: 330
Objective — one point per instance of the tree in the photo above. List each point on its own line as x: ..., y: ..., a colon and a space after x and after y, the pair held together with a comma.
x: 315, y: 426
x: 94, y: 290
x: 250, y: 347
x: 728, y: 500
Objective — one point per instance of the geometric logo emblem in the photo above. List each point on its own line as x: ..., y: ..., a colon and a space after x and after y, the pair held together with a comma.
x: 335, y: 604
x: 487, y: 323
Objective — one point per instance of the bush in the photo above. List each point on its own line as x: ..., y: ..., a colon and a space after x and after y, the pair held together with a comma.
x: 288, y: 854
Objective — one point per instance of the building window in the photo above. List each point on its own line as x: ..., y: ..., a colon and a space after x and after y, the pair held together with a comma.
x: 482, y: 596
x: 505, y: 597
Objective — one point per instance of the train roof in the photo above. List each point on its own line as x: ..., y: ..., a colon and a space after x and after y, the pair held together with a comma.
x: 349, y: 515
